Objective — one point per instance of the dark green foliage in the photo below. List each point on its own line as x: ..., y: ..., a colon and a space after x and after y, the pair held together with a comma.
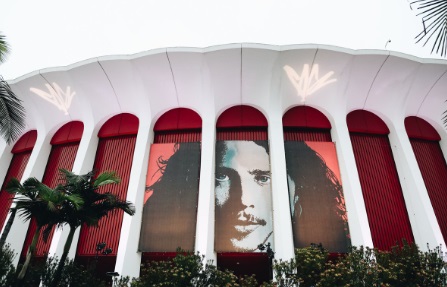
x: 434, y: 22
x: 73, y: 275
x: 7, y: 270
x: 187, y: 269
x: 357, y: 268
x: 12, y: 112
x: 407, y: 266
x: 304, y: 270
x: 403, y: 266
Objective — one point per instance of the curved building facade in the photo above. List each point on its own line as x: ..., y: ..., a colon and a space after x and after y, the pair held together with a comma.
x: 225, y: 148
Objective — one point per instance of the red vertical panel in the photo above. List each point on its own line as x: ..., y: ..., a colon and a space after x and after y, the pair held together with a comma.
x: 235, y: 134
x: 434, y: 172
x: 385, y: 205
x: 113, y: 154
x: 61, y: 156
x: 178, y: 136
x: 16, y: 168
x: 315, y: 135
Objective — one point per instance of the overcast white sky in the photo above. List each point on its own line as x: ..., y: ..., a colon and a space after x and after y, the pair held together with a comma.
x: 51, y: 33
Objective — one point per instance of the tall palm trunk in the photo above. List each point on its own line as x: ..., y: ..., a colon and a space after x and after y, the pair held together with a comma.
x: 8, y: 227
x: 29, y: 255
x: 60, y: 266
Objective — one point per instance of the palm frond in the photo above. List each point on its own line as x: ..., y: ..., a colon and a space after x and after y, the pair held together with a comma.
x: 12, y: 113
x: 4, y: 48
x: 106, y: 178
x: 434, y: 20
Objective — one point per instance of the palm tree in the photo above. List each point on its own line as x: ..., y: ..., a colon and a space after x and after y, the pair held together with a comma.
x: 12, y: 113
x: 45, y: 205
x: 8, y: 226
x: 434, y: 21
x: 95, y: 206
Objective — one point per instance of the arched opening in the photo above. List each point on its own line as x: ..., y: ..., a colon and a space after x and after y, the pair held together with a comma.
x: 424, y: 140
x: 178, y: 125
x: 303, y: 123
x: 117, y: 138
x: 64, y: 146
x: 385, y: 206
x: 172, y: 186
x: 21, y: 154
x: 242, y: 158
x: 313, y: 175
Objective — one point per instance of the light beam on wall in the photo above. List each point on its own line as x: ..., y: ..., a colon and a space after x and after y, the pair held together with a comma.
x: 309, y: 81
x: 56, y: 96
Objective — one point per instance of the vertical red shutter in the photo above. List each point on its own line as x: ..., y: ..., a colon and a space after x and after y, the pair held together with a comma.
x: 385, y: 205
x: 113, y: 154
x: 16, y: 169
x: 61, y: 156
x: 178, y: 136
x: 304, y: 134
x: 239, y: 134
x: 434, y: 172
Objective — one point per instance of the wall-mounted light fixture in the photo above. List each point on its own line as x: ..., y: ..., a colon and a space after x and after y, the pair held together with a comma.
x: 309, y: 81
x: 55, y: 95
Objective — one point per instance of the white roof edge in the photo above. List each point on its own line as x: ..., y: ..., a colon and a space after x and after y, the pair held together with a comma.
x: 228, y: 47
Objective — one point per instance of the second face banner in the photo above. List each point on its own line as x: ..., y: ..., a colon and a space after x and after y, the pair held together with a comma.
x: 243, y: 196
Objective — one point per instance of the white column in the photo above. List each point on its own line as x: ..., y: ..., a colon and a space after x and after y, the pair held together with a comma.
x: 128, y: 257
x: 355, y: 205
x: 35, y: 168
x: 83, y: 163
x: 423, y: 221
x: 282, y: 220
x: 205, y: 209
x: 5, y: 159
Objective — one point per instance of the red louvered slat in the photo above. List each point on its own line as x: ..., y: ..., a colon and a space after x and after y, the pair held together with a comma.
x: 16, y: 169
x: 113, y: 154
x: 434, y: 172
x: 178, y: 136
x: 385, y: 205
x: 235, y: 134
x: 61, y: 156
x: 314, y: 135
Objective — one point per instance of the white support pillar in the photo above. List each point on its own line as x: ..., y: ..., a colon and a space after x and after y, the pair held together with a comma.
x: 35, y: 168
x: 205, y: 209
x: 423, y: 221
x: 5, y: 159
x: 128, y: 257
x: 355, y: 205
x: 84, y: 161
x: 282, y: 220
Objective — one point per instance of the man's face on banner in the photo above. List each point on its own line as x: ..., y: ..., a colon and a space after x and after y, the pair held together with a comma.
x: 243, y: 196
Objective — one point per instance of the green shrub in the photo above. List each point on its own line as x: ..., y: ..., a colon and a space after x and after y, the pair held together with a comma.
x: 7, y: 270
x: 358, y: 268
x: 304, y: 270
x: 187, y: 269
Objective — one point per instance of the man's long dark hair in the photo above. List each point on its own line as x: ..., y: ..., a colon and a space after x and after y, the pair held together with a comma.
x: 170, y: 212
x: 319, y: 212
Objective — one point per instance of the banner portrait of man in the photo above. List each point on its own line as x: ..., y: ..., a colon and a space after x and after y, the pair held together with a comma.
x: 170, y: 208
x: 243, y: 210
x: 316, y: 196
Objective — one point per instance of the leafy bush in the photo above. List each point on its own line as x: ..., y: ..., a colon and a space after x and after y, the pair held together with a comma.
x: 7, y: 270
x: 357, y: 268
x: 187, y: 269
x: 403, y: 266
x: 304, y: 270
